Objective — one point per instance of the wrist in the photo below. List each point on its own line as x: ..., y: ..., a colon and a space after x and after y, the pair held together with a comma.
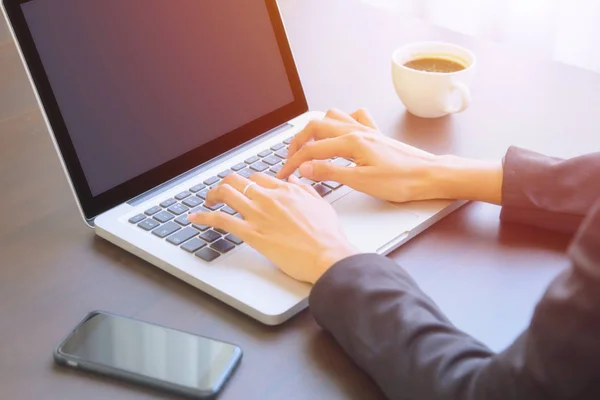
x: 332, y: 255
x: 469, y: 179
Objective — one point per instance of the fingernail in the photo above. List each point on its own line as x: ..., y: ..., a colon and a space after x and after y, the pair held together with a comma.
x: 306, y: 170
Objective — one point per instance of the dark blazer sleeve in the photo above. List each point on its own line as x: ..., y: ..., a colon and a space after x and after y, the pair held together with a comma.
x: 549, y: 192
x: 396, y: 333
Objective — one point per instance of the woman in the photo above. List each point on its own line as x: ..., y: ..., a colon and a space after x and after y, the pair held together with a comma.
x: 380, y: 317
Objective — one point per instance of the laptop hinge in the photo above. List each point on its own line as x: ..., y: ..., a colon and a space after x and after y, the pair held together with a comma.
x: 207, y: 165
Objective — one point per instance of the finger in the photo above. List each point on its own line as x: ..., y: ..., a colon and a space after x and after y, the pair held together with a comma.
x: 226, y: 222
x: 321, y: 150
x: 227, y: 194
x: 324, y: 171
x: 339, y: 116
x: 319, y: 130
x: 266, y: 181
x: 293, y: 179
x: 242, y: 185
x: 236, y: 181
x: 362, y: 116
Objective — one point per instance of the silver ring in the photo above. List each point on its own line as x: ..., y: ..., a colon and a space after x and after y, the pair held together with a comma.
x: 248, y: 187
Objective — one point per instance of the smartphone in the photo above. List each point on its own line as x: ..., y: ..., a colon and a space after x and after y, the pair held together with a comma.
x: 140, y: 352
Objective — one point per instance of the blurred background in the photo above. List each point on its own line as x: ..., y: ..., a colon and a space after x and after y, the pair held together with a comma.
x: 564, y: 30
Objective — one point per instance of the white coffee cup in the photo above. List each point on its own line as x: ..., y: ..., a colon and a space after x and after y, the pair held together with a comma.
x: 433, y: 94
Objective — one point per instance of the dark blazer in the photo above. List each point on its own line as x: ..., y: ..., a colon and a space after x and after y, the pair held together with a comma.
x: 397, y: 334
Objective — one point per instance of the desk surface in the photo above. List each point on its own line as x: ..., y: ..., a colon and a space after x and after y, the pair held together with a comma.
x: 487, y: 277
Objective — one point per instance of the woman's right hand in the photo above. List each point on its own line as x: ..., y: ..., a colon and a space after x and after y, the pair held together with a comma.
x: 386, y: 168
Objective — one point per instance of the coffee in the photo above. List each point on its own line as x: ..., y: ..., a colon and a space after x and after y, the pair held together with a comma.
x: 435, y: 64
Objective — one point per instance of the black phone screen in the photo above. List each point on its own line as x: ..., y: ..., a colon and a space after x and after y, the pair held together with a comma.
x: 151, y: 351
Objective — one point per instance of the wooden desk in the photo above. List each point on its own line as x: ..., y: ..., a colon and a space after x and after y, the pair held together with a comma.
x: 53, y: 270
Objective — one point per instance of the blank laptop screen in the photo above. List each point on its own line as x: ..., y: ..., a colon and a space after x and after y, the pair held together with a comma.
x: 142, y: 82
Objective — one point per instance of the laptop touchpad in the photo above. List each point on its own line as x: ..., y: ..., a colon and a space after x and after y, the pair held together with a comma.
x: 370, y: 223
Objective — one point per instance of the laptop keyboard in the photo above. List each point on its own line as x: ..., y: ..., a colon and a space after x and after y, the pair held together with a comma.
x: 168, y: 220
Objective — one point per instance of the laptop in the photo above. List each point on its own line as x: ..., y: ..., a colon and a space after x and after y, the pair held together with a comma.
x: 150, y: 103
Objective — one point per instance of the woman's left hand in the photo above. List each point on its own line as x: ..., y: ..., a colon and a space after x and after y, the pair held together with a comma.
x: 288, y: 222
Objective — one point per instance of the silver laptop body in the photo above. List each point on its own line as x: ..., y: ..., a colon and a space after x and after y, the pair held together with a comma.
x: 150, y: 105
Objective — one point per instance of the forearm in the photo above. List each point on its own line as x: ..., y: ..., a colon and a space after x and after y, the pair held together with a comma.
x: 392, y: 330
x: 468, y: 179
x: 549, y: 192
x: 397, y: 334
x: 533, y: 189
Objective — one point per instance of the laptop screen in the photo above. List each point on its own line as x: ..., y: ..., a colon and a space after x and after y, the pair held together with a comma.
x: 141, y: 83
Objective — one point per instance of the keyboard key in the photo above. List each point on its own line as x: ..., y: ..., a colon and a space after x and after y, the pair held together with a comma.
x: 322, y: 190
x: 270, y: 173
x: 288, y: 140
x: 252, y: 160
x: 192, y: 202
x: 276, y: 168
x: 225, y: 173
x: 201, y: 228
x: 246, y: 172
x: 164, y: 216
x: 234, y: 239
x: 214, y: 207
x: 178, y: 209
x: 331, y: 184
x: 307, y: 181
x: 239, y: 166
x: 207, y: 254
x: 271, y: 160
x: 211, y: 181
x: 210, y: 236
x: 168, y: 203
x: 182, y: 236
x: 341, y: 161
x: 199, y: 209
x: 283, y: 153
x: 229, y: 210
x: 193, y: 245
x: 148, y: 224
x: 183, y: 220
x: 278, y: 146
x: 222, y: 246
x: 259, y: 166
x: 197, y: 188
x: 152, y: 211
x: 297, y: 173
x: 183, y: 195
x: 264, y: 153
x: 221, y: 231
x: 203, y: 194
x: 166, y: 229
x: 137, y: 218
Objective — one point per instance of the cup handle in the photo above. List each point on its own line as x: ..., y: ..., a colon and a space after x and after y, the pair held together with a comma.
x: 465, y: 98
